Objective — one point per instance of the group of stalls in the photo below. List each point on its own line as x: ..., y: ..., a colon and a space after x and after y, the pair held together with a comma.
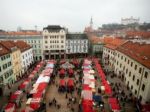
x: 88, y: 95
x: 63, y: 86
x: 37, y: 93
x: 66, y: 85
x: 113, y: 102
x: 16, y: 97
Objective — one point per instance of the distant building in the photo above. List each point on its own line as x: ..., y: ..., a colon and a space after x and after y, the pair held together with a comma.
x: 76, y: 45
x: 54, y: 42
x: 33, y: 38
x: 131, y: 20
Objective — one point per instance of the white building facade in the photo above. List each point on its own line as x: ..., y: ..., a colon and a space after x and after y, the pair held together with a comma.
x: 76, y: 45
x: 134, y: 70
x: 54, y: 42
x: 27, y: 59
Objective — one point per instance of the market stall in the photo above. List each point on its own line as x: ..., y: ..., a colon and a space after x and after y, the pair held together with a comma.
x: 10, y: 107
x: 25, y: 85
x: 16, y: 97
x: 70, y: 72
x: 62, y: 73
x: 70, y: 85
x: 62, y: 85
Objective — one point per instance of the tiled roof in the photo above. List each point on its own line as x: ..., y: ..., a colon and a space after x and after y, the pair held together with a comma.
x: 21, y: 33
x: 3, y: 50
x: 143, y: 34
x: 23, y: 46
x: 114, y: 43
x: 137, y: 51
x: 8, y: 44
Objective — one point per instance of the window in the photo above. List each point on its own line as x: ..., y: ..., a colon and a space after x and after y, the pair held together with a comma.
x: 125, y: 59
x: 126, y: 70
x: 143, y: 87
x: 128, y: 61
x: 129, y: 74
x: 135, y: 67
x: 62, y: 41
x: 121, y: 57
x: 133, y: 77
x: 146, y: 74
x: 131, y: 64
x: 0, y: 69
x: 135, y: 92
x: 62, y: 46
x: 140, y: 70
x: 120, y: 65
x: 46, y: 41
x: 131, y: 87
x: 137, y: 82
x: 62, y: 36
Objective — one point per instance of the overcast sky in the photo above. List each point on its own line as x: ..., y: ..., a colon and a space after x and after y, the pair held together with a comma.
x: 73, y: 14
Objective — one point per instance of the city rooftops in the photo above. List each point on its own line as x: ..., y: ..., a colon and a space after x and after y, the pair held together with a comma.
x: 9, y: 45
x: 3, y: 50
x: 21, y: 33
x: 115, y: 43
x: 138, y: 51
x: 138, y: 34
x: 23, y: 46
x: 76, y: 36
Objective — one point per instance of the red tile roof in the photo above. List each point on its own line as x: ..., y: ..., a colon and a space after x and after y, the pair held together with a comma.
x: 143, y: 34
x: 23, y: 46
x: 8, y: 44
x: 114, y: 43
x: 21, y: 33
x: 3, y: 50
x: 137, y: 51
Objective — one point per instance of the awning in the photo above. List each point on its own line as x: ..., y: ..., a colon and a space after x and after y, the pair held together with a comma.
x: 70, y: 82
x: 62, y: 82
x: 10, y: 107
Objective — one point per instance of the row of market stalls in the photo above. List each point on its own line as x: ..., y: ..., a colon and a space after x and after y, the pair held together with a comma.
x: 113, y: 102
x: 36, y: 95
x: 16, y: 97
x: 88, y: 86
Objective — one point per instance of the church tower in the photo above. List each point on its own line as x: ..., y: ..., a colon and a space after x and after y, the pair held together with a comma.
x: 91, y: 23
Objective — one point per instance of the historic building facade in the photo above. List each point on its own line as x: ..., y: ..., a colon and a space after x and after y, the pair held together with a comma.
x: 15, y: 56
x: 54, y: 42
x: 76, y: 45
x: 6, y: 70
x: 26, y: 55
x: 132, y: 63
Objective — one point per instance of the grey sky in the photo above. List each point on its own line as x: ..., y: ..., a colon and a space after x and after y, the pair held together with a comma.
x: 74, y: 14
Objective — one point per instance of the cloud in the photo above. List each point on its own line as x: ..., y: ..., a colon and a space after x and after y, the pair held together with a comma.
x: 74, y: 14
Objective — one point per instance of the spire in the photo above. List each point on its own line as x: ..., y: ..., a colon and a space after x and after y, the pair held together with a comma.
x: 91, y: 22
